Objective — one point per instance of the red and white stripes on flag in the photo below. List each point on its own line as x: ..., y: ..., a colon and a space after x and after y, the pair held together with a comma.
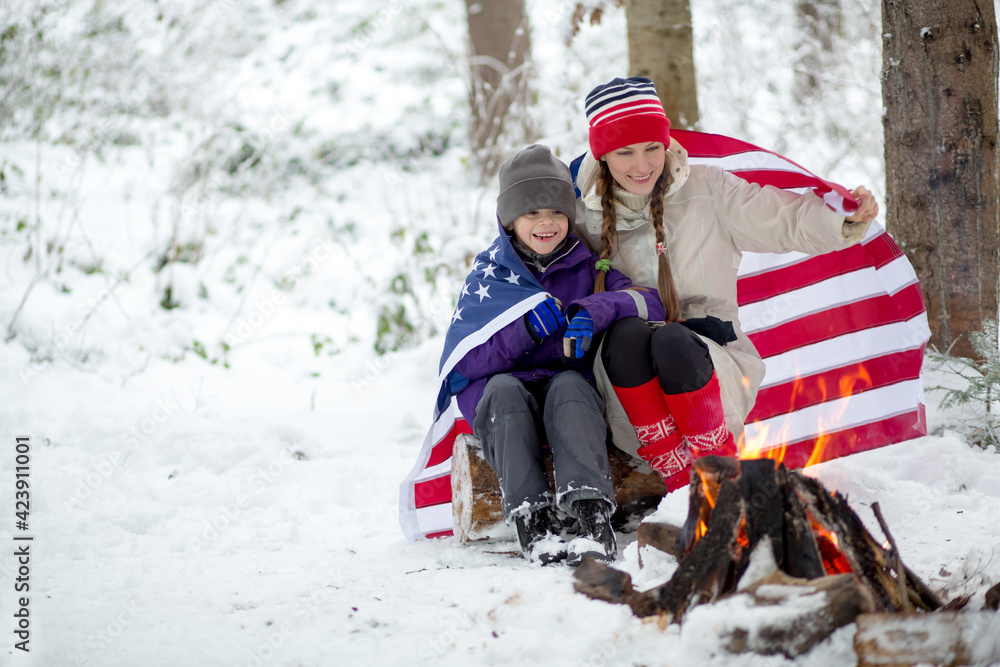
x: 425, y: 494
x: 842, y: 336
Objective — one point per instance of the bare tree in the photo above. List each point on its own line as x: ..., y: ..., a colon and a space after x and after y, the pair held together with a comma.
x: 500, y: 44
x: 661, y: 48
x: 939, y: 90
x: 819, y: 23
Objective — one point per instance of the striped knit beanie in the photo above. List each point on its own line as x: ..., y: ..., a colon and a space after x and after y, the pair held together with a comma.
x: 624, y: 112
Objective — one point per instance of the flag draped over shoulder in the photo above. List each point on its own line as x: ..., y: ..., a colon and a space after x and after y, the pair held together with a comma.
x: 842, y: 336
x: 499, y: 290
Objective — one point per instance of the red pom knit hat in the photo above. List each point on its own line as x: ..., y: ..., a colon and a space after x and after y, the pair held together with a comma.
x: 623, y: 112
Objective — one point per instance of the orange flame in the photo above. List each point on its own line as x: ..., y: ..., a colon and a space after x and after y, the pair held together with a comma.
x: 709, y: 490
x: 711, y: 486
x: 828, y: 422
x: 834, y: 561
x: 750, y: 450
x: 846, y: 386
x: 700, y: 531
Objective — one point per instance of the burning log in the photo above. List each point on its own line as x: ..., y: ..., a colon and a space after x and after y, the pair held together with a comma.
x: 711, y: 472
x: 734, y: 505
x: 762, y: 488
x: 804, y: 545
x: 862, y: 553
x: 709, y: 567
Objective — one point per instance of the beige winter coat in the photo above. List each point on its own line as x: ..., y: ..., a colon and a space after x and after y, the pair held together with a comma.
x: 710, y: 217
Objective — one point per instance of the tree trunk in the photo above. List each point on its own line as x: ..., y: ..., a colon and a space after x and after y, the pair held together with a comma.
x: 500, y: 43
x: 819, y: 22
x: 661, y: 48
x: 939, y: 89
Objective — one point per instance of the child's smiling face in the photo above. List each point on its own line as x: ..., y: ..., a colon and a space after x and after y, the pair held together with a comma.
x: 542, y: 231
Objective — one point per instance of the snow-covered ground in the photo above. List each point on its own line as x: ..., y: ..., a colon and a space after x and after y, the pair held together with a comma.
x: 204, y: 516
x: 214, y: 469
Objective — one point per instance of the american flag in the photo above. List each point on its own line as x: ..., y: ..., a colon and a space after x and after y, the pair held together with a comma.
x: 499, y: 290
x: 842, y: 335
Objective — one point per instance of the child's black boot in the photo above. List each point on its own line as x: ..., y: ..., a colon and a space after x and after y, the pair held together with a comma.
x: 596, y: 538
x: 538, y: 535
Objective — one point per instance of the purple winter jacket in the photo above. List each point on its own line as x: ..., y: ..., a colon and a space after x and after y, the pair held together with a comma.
x: 569, y: 278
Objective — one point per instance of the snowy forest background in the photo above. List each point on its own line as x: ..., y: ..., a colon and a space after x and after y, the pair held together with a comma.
x: 179, y: 162
x: 231, y: 235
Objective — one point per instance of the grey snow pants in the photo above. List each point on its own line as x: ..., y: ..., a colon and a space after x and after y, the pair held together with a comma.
x: 570, y: 412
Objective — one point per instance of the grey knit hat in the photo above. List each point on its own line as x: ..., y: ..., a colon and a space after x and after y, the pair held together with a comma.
x: 531, y: 180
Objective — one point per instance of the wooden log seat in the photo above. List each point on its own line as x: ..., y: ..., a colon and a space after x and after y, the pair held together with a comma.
x: 475, y: 490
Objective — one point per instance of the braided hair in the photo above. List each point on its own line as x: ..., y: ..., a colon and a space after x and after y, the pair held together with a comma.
x: 609, y: 233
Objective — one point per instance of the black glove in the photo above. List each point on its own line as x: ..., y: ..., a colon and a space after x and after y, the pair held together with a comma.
x: 720, y: 331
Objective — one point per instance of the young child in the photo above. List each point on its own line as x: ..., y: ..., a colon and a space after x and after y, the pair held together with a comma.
x: 530, y: 380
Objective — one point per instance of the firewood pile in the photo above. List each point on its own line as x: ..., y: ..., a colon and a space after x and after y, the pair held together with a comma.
x: 778, y: 537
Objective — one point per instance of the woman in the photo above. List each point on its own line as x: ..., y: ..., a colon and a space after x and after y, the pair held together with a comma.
x: 682, y: 390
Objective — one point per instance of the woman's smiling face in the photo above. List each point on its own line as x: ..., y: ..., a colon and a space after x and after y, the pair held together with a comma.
x: 637, y: 166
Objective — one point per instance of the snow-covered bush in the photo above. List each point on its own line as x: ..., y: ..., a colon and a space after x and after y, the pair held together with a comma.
x: 979, y: 387
x: 202, y: 177
x: 185, y: 160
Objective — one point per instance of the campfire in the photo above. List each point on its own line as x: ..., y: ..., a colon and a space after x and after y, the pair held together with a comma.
x: 752, y: 523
